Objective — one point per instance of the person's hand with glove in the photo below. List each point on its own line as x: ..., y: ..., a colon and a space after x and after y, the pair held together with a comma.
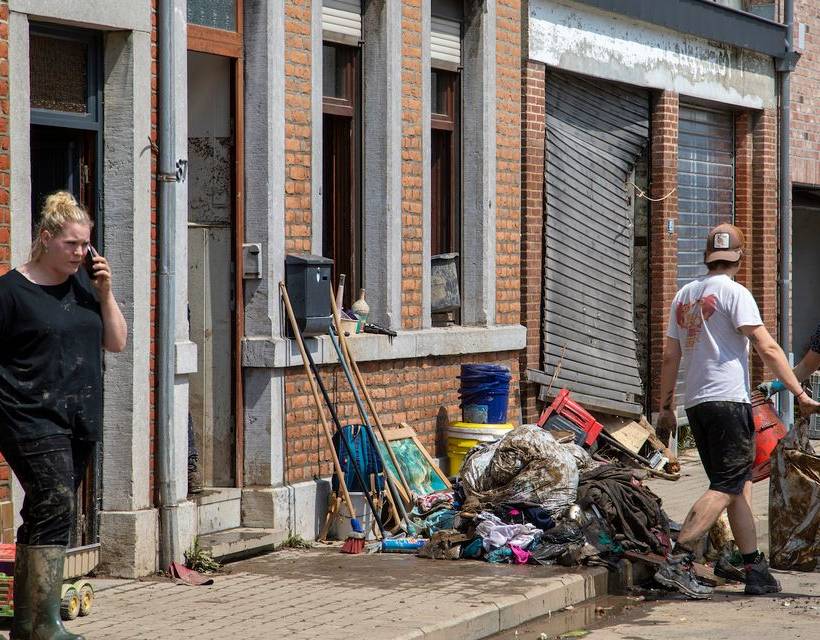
x: 770, y: 387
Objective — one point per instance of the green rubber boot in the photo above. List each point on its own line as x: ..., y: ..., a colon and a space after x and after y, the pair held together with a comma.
x: 45, y: 581
x: 21, y: 625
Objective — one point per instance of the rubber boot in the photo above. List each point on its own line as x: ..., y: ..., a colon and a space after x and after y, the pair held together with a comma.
x: 21, y: 625
x: 45, y: 581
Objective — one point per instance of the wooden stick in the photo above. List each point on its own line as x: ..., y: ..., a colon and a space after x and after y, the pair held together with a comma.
x: 336, y: 464
x: 363, y: 388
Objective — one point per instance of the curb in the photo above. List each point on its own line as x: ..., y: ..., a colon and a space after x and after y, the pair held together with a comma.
x: 491, y: 617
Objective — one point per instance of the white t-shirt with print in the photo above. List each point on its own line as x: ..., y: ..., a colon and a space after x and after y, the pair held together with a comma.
x: 706, y: 316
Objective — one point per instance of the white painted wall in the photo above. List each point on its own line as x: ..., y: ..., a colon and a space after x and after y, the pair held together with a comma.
x: 577, y: 38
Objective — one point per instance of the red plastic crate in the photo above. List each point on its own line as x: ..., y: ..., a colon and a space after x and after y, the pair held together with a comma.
x: 566, y: 407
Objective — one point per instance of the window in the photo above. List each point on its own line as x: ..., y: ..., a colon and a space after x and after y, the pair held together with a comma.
x: 445, y: 173
x: 341, y: 163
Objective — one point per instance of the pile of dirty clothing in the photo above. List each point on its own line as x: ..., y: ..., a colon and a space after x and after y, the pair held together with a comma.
x: 528, y: 498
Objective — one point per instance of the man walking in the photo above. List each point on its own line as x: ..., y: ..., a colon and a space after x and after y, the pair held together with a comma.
x: 712, y: 322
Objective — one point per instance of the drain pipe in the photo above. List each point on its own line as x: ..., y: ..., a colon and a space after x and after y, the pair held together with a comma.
x: 166, y: 296
x: 786, y: 66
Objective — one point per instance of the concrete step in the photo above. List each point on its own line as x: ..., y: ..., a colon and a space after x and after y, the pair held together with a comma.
x: 241, y: 542
x: 218, y: 509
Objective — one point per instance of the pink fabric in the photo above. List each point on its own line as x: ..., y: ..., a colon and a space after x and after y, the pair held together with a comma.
x: 520, y: 556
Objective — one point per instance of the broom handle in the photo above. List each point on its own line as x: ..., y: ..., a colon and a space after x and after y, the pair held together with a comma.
x: 336, y: 464
x: 368, y: 399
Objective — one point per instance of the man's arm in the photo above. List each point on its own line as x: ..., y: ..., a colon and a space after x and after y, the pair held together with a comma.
x: 669, y: 378
x: 807, y: 366
x: 774, y: 358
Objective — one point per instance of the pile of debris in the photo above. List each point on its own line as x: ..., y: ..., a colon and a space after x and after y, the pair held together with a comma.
x: 529, y: 498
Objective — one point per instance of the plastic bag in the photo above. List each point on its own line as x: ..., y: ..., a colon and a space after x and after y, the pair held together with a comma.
x: 794, y: 503
x: 527, y: 466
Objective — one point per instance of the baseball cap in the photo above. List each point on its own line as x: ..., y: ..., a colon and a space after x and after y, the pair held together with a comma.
x: 725, y: 242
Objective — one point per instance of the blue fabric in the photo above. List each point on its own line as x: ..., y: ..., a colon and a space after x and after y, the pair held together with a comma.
x: 365, y: 458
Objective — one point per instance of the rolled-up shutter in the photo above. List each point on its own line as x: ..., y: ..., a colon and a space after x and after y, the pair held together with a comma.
x: 445, y: 40
x: 343, y: 17
x: 596, y: 131
x: 706, y: 183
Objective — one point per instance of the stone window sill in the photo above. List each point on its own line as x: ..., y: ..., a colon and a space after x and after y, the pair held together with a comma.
x: 280, y: 353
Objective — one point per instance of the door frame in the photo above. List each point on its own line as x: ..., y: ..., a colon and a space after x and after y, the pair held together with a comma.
x: 91, y: 121
x: 229, y: 44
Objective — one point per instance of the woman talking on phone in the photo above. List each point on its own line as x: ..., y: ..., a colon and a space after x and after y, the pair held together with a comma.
x: 57, y: 313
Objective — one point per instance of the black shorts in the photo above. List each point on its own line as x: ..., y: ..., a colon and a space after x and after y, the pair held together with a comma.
x: 725, y: 436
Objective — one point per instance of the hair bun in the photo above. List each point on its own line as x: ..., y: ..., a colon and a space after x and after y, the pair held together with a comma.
x: 60, y: 202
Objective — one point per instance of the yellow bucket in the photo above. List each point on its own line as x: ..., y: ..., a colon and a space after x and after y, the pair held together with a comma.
x: 463, y: 436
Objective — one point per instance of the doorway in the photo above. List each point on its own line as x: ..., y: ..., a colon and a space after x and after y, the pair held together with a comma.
x: 65, y: 152
x: 212, y: 264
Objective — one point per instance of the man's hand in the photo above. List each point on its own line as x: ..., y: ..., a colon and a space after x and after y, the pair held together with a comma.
x: 807, y: 405
x: 667, y: 423
x: 770, y: 387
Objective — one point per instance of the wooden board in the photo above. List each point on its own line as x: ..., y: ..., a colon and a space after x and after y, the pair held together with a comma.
x: 628, y: 433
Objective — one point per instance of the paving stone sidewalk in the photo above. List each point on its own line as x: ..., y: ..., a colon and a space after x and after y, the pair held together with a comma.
x: 322, y: 594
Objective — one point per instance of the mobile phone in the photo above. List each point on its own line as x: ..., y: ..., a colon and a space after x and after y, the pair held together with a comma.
x: 89, y: 260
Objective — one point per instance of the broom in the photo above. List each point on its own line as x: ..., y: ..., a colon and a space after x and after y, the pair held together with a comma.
x: 355, y: 541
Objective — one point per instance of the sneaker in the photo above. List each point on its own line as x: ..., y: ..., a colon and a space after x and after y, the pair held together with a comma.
x: 759, y: 579
x: 726, y: 570
x: 677, y: 573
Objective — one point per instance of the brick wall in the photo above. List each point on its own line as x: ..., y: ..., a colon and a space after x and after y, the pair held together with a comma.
x: 421, y: 392
x: 6, y: 511
x: 663, y: 255
x: 298, y: 216
x: 533, y: 121
x: 508, y: 146
x: 764, y: 244
x: 411, y: 155
x: 805, y: 136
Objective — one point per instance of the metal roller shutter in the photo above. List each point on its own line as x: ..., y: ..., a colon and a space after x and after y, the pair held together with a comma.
x: 706, y: 183
x: 445, y: 40
x: 595, y: 133
x: 342, y: 16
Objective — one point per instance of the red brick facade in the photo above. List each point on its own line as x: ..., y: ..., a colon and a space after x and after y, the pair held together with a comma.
x: 6, y: 512
x: 508, y: 162
x: 422, y: 392
x: 663, y: 255
x: 533, y: 96
x: 764, y: 242
x: 805, y: 136
x: 411, y: 157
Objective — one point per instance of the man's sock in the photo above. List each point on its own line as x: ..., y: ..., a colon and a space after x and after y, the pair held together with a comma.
x: 752, y: 558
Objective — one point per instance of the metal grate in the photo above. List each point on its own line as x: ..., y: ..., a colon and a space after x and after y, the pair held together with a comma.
x: 217, y: 14
x: 59, y: 74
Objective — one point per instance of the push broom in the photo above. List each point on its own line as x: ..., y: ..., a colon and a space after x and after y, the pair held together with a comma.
x: 354, y: 542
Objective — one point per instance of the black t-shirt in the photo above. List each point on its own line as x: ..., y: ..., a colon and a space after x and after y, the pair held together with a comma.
x: 50, y: 359
x: 815, y: 341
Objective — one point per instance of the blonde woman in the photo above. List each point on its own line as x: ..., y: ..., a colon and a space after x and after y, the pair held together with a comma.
x: 56, y: 316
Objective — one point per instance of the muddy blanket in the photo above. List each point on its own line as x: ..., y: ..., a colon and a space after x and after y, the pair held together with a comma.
x: 632, y: 511
x: 794, y: 503
x: 526, y: 467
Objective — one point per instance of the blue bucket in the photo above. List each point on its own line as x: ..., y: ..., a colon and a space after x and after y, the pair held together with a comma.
x: 484, y: 393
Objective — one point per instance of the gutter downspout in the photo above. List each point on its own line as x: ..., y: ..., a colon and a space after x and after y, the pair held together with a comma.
x: 785, y: 67
x: 166, y: 295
